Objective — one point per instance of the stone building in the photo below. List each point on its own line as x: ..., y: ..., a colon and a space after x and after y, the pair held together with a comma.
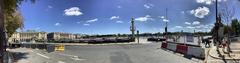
x: 59, y: 36
x: 28, y: 37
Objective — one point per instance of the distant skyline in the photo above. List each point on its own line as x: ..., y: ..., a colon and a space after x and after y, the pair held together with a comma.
x: 114, y: 16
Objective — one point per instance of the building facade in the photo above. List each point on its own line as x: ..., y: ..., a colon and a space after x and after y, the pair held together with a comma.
x: 59, y: 36
x: 28, y: 37
x: 32, y: 36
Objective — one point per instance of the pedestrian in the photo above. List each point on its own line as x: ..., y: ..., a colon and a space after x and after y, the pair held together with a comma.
x: 207, y: 42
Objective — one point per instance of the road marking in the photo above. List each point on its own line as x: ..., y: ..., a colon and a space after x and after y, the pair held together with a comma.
x: 39, y: 54
x: 71, y: 56
x: 65, y: 54
x: 43, y: 55
x: 61, y: 62
x: 76, y: 58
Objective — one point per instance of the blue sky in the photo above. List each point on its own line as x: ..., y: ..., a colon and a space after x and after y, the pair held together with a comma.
x: 113, y: 16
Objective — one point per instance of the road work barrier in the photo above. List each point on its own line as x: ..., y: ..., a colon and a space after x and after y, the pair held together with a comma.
x: 164, y: 45
x: 50, y: 48
x: 171, y: 46
x: 182, y: 49
x: 59, y: 48
x: 194, y: 51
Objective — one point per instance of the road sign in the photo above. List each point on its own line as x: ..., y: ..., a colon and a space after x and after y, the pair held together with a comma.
x: 59, y: 48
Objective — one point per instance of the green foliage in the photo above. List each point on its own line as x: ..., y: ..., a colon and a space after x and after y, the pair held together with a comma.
x: 227, y: 29
x: 235, y: 26
x: 13, y: 23
x: 13, y: 19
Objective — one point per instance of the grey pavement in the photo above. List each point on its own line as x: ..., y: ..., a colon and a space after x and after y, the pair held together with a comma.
x: 213, y: 56
x: 119, y: 53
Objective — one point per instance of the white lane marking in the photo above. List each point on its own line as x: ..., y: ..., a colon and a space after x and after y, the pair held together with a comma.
x: 71, y: 56
x: 43, y: 55
x: 61, y: 62
x: 77, y: 58
x: 39, y: 54
x: 65, y: 54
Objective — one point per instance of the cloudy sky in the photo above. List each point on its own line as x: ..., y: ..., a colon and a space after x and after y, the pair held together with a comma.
x: 113, y: 16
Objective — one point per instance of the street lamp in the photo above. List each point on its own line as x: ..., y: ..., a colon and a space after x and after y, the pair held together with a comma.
x: 2, y: 32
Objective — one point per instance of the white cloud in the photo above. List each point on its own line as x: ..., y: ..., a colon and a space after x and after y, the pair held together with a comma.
x: 57, y: 24
x: 73, y: 11
x: 145, y: 18
x: 93, y: 20
x: 119, y: 6
x: 49, y: 6
x: 192, y: 11
x: 148, y: 5
x: 187, y: 23
x: 165, y: 20
x: 119, y: 21
x: 162, y: 17
x: 207, y: 26
x: 208, y: 2
x: 178, y: 27
x: 200, y: 26
x: 86, y: 24
x: 114, y: 17
x: 200, y: 12
x: 196, y: 23
x: 190, y: 27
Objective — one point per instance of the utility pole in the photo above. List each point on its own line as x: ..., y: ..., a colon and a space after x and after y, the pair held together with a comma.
x: 2, y: 32
x: 166, y: 33
x: 132, y: 29
x: 218, y: 28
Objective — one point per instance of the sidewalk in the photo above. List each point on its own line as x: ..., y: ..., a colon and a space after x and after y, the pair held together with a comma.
x: 214, y: 57
x: 221, y: 55
x: 8, y: 58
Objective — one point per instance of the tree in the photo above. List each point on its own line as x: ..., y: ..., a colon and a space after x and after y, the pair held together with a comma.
x: 235, y: 27
x: 13, y: 23
x: 227, y: 30
x: 227, y: 13
x: 7, y: 10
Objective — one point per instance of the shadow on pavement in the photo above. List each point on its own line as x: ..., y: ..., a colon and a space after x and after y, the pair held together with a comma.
x: 188, y: 56
x: 19, y: 55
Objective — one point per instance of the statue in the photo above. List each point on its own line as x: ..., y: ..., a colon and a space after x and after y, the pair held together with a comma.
x: 217, y: 32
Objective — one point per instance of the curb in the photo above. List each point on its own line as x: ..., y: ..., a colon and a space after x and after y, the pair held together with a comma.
x: 212, y: 55
x: 207, y: 54
x: 220, y: 57
x: 9, y: 58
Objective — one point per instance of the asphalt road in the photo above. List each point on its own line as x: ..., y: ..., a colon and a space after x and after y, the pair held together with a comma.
x: 120, y: 53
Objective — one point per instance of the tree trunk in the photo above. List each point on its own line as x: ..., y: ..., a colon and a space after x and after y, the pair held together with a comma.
x: 2, y: 33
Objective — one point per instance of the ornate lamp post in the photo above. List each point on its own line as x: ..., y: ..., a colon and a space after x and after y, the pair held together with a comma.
x: 2, y: 32
x: 132, y: 29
